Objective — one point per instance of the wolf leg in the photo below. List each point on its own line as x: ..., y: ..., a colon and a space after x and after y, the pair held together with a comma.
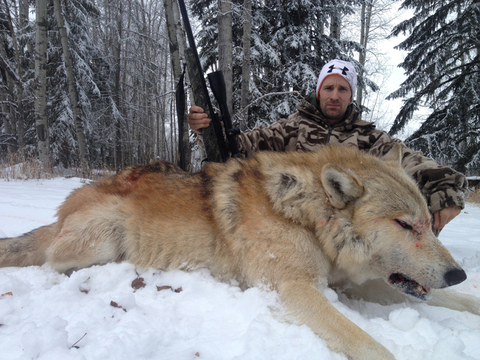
x: 305, y: 304
x: 455, y: 301
x: 380, y: 292
x: 86, y: 239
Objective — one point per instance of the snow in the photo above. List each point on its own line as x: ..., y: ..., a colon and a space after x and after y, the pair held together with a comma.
x: 97, y: 314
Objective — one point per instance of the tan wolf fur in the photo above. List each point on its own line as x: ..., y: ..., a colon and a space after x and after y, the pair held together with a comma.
x: 294, y: 221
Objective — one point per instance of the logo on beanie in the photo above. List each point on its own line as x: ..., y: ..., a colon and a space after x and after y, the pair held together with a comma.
x: 344, y: 70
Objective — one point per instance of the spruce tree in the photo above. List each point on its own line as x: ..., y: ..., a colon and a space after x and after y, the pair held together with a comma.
x: 443, y: 67
x: 289, y: 45
x: 92, y: 84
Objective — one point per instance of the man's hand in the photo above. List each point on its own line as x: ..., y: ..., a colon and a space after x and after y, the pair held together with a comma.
x: 444, y: 216
x: 197, y: 119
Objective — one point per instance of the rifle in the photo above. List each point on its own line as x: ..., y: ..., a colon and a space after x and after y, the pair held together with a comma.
x: 219, y: 146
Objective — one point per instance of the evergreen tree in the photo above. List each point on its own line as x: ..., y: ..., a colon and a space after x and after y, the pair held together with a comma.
x: 122, y: 80
x: 92, y: 75
x: 17, y: 37
x: 289, y: 46
x: 443, y: 68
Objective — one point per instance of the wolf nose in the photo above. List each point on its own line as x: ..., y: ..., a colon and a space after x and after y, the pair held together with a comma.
x: 455, y: 276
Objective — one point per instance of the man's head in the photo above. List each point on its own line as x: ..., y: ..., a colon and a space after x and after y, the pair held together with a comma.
x: 336, y: 88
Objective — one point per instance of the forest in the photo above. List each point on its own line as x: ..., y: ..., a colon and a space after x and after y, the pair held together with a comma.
x: 90, y: 84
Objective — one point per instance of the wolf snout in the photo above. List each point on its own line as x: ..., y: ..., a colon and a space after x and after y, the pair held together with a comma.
x: 454, y: 277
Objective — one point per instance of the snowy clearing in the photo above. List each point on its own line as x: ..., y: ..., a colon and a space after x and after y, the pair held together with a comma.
x: 97, y: 314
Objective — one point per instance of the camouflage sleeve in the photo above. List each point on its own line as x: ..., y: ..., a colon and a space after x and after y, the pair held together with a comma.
x: 275, y: 137
x: 441, y: 185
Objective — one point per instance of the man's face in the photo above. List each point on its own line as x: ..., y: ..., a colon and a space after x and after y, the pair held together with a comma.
x: 335, y: 96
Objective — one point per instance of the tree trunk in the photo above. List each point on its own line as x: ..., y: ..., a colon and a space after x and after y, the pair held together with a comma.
x: 72, y: 90
x: 40, y: 83
x: 247, y: 34
x: 6, y: 99
x: 125, y: 128
x: 184, y: 131
x: 5, y: 108
x: 117, y: 35
x: 365, y: 19
x: 335, y: 25
x: 225, y: 47
x: 17, y: 116
x: 173, y: 17
x: 162, y: 139
x: 176, y: 38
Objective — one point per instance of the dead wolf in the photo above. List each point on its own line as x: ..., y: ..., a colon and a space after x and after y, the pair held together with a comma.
x: 294, y: 221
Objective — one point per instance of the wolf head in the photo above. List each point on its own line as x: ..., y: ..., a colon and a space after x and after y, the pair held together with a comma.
x: 370, y: 219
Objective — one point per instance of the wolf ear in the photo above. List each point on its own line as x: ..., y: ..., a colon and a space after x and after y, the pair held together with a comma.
x: 341, y: 187
x: 395, y: 154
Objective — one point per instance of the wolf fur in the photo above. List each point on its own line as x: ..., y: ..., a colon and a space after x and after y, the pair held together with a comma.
x: 294, y: 221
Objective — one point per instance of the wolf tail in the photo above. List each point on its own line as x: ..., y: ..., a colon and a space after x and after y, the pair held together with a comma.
x: 27, y: 249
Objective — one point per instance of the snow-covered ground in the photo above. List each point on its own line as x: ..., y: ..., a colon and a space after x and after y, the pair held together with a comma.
x: 97, y: 314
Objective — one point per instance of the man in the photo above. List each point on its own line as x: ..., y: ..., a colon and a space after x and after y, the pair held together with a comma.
x: 329, y: 116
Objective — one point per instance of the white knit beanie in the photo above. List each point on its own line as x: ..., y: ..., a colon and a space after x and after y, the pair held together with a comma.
x: 339, y: 67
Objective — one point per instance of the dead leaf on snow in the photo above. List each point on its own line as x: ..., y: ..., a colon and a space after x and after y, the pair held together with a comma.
x: 114, y: 304
x: 138, y: 283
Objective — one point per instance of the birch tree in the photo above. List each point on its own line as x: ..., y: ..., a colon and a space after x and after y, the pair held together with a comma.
x: 176, y: 38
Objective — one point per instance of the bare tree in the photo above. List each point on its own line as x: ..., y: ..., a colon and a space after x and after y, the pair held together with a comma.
x: 172, y: 18
x: 365, y: 19
x: 247, y: 34
x: 225, y: 47
x: 116, y: 35
x: 41, y: 122
x: 371, y: 25
x: 176, y: 38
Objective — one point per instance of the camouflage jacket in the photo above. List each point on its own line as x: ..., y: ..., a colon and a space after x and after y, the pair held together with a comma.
x: 306, y: 129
